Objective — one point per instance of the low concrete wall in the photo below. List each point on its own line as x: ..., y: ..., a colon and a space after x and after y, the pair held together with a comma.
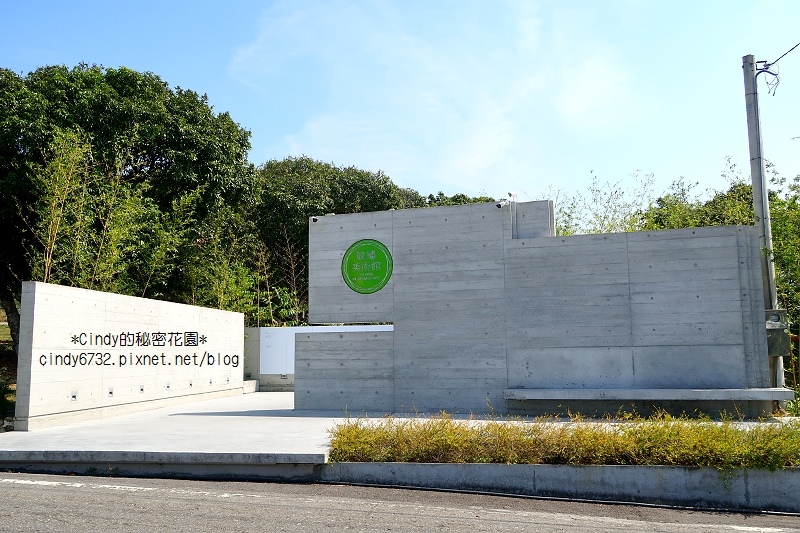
x: 86, y: 354
x: 278, y: 467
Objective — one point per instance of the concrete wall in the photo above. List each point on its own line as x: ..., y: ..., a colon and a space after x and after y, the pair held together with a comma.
x: 356, y: 371
x: 421, y: 241
x: 86, y: 354
x: 270, y: 352
x: 665, y: 309
x: 485, y: 301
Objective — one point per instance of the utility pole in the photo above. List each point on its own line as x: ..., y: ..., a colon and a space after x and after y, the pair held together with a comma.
x: 758, y: 176
x: 761, y: 200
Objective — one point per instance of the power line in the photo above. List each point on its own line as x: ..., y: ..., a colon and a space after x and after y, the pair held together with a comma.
x: 772, y: 85
x: 767, y: 65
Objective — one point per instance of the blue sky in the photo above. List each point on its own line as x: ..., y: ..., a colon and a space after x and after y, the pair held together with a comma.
x: 459, y: 96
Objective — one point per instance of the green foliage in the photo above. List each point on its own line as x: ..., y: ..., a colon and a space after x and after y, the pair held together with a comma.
x: 441, y: 199
x: 86, y: 226
x: 60, y: 185
x: 785, y: 214
x: 8, y: 370
x: 289, y: 192
x: 676, y: 209
x: 110, y: 180
x: 661, y: 440
x: 608, y: 209
x: 793, y: 407
x: 681, y: 209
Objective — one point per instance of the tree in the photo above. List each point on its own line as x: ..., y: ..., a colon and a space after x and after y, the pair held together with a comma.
x: 441, y: 199
x: 146, y: 158
x: 608, y: 209
x: 292, y: 190
x: 785, y: 214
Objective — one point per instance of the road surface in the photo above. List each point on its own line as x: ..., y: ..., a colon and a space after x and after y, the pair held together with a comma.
x: 75, y: 503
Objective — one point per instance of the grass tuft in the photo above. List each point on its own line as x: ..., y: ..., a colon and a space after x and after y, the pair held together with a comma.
x: 659, y: 440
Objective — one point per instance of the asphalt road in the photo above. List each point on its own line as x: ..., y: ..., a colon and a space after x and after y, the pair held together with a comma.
x: 71, y: 503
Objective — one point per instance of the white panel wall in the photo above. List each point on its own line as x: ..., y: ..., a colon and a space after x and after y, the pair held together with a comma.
x: 87, y: 354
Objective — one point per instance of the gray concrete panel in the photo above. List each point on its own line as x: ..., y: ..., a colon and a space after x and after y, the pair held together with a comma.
x: 109, y: 371
x: 682, y: 238
x: 547, y: 320
x: 573, y: 367
x: 650, y: 394
x: 715, y: 366
x: 689, y: 299
x: 573, y: 242
x: 683, y: 286
x: 535, y: 219
x: 452, y: 280
x: 486, y: 360
x: 645, y: 315
x: 353, y: 396
x: 427, y: 332
x: 455, y: 395
x: 329, y: 297
x: 451, y: 273
x: 344, y: 370
x: 693, y: 278
x: 606, y: 339
x: 752, y: 301
x: 665, y: 485
x: 571, y: 294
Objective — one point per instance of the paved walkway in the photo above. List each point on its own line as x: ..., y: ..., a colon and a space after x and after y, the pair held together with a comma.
x: 260, y: 437
x: 261, y: 423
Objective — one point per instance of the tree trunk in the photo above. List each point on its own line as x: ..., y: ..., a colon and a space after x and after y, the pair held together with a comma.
x: 9, y: 305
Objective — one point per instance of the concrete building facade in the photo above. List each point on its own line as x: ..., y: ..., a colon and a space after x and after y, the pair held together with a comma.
x: 492, y: 311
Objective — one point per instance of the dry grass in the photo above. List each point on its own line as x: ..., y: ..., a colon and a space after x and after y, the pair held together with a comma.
x: 659, y: 440
x: 5, y: 333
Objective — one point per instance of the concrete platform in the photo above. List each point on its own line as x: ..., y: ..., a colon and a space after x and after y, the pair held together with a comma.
x: 763, y: 394
x: 251, y: 428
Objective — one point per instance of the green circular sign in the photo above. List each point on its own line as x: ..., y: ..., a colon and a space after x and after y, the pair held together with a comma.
x: 367, y: 266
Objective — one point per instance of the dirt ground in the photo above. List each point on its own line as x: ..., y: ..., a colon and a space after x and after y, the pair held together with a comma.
x: 8, y: 366
x: 8, y: 370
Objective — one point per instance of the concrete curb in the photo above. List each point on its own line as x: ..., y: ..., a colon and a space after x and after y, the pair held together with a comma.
x: 292, y: 468
x: 702, y: 488
x: 706, y: 488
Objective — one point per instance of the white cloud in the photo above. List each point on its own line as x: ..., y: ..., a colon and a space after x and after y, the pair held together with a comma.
x: 462, y: 106
x: 595, y: 96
